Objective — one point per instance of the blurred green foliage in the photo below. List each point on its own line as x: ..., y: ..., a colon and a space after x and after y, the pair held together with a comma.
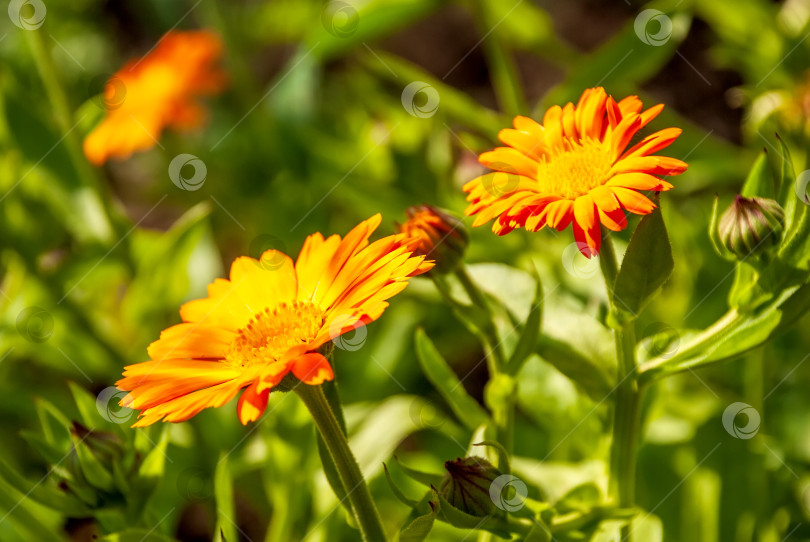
x: 312, y: 135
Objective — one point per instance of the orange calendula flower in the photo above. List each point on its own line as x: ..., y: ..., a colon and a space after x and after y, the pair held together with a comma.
x: 268, y: 320
x: 157, y: 91
x: 438, y: 235
x: 575, y: 168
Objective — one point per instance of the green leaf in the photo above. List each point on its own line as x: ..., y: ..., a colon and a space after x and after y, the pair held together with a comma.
x: 760, y: 182
x: 151, y: 470
x: 426, y: 478
x: 225, y: 530
x: 419, y: 529
x: 43, y: 493
x: 93, y: 469
x: 529, y: 336
x: 586, y: 372
x: 646, y: 266
x: 25, y: 514
x: 447, y: 383
x: 397, y: 492
x: 55, y: 425
x: 137, y: 535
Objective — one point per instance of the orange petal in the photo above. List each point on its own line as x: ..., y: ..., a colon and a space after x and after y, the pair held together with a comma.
x: 639, y: 181
x: 509, y: 160
x: 312, y: 369
x: 252, y: 403
x: 653, y: 143
x: 633, y: 201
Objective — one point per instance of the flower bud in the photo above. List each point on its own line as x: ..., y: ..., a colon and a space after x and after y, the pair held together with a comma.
x: 466, y: 485
x: 751, y: 226
x: 438, y: 236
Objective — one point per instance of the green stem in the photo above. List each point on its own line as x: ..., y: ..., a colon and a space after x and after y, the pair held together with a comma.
x: 628, y: 399
x: 494, y: 349
x: 503, y: 410
x: 365, y: 511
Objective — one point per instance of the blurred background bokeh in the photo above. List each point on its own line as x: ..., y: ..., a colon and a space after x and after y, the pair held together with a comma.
x: 315, y: 132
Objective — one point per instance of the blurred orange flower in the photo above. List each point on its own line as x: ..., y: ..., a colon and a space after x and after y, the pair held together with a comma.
x: 160, y: 90
x: 574, y: 169
x: 269, y: 319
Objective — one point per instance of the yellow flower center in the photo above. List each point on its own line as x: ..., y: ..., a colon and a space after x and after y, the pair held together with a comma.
x: 270, y: 334
x: 574, y: 169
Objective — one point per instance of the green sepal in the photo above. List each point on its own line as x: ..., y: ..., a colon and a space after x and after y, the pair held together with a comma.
x: 760, y: 182
x: 397, y: 492
x: 425, y: 478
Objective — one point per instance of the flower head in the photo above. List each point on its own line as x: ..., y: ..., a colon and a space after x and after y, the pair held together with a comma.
x: 438, y: 235
x: 267, y: 321
x: 466, y: 485
x: 575, y: 168
x: 751, y: 226
x: 157, y: 91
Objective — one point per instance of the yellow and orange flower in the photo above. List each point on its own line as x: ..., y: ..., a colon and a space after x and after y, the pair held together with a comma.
x: 574, y: 169
x: 268, y: 320
x: 160, y: 90
x: 438, y: 235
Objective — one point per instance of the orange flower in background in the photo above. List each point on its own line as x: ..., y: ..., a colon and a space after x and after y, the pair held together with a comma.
x: 574, y: 169
x: 158, y: 91
x: 266, y: 321
x: 438, y: 235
